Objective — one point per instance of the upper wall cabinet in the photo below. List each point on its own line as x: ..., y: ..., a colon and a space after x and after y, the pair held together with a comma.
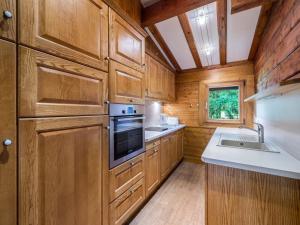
x: 51, y: 86
x: 76, y: 30
x: 8, y: 19
x: 127, y: 45
x: 126, y: 85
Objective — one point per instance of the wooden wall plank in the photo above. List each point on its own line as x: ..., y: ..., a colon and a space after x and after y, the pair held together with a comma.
x: 278, y: 53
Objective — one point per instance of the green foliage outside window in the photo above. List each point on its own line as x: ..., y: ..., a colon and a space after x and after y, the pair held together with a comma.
x: 223, y: 103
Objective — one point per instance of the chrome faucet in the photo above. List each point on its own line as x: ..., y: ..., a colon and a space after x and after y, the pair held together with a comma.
x: 260, y: 131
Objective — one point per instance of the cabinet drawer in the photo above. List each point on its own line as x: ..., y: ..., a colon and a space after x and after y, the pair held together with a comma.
x: 76, y: 30
x: 126, y: 85
x: 123, y: 207
x: 127, y: 45
x: 51, y: 86
x: 152, y: 144
x: 122, y: 177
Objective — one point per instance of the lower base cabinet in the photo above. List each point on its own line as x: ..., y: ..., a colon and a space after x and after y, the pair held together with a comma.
x: 125, y: 205
x: 152, y: 166
x: 61, y: 164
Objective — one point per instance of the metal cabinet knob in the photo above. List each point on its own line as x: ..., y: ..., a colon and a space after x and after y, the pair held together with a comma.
x: 7, y: 142
x: 107, y: 58
x: 106, y: 102
x: 107, y: 128
x: 7, y: 14
x: 132, y: 164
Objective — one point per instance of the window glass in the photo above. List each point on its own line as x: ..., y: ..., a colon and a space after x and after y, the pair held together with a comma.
x: 224, y: 103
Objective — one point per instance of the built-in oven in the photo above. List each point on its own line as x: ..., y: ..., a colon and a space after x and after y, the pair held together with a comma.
x: 127, y: 138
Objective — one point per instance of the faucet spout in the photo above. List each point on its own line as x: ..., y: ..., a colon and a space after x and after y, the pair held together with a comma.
x: 259, y: 131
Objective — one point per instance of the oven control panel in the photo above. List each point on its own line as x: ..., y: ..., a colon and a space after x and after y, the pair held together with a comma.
x: 121, y: 110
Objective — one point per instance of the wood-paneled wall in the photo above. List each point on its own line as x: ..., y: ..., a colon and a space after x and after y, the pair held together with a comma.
x: 189, y: 99
x: 278, y: 56
x: 132, y: 7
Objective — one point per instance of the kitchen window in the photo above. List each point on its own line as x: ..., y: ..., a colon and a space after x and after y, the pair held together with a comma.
x: 224, y: 102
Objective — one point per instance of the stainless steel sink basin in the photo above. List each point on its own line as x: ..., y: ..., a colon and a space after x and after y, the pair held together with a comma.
x: 158, y: 129
x: 238, y: 141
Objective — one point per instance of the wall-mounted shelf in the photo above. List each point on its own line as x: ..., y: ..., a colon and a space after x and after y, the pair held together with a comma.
x: 281, y: 89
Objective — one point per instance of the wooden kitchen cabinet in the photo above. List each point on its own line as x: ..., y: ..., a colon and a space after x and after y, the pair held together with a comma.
x: 8, y: 129
x: 154, y: 76
x: 61, y: 164
x: 152, y: 172
x: 165, y: 159
x: 173, y: 150
x: 125, y: 205
x: 122, y: 177
x: 76, y: 30
x: 51, y: 86
x: 126, y: 85
x: 171, y: 86
x: 127, y: 45
x: 179, y: 145
x: 8, y: 19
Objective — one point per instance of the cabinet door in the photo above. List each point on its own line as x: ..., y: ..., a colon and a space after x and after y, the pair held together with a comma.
x: 77, y: 30
x: 126, y: 85
x: 124, y: 206
x: 173, y: 150
x: 51, y: 86
x: 8, y: 19
x: 171, y: 86
x: 155, y: 79
x: 8, y: 165
x: 152, y: 169
x: 179, y: 145
x: 122, y: 177
x: 127, y: 45
x: 165, y: 157
x: 61, y: 169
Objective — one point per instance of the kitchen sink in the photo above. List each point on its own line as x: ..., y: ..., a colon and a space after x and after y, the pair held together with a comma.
x: 244, y: 142
x: 158, y: 129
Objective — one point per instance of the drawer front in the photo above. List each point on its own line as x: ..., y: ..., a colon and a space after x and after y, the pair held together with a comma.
x: 152, y: 144
x: 126, y: 85
x: 122, y: 177
x: 127, y: 45
x: 8, y: 22
x: 51, y: 86
x: 77, y: 29
x: 124, y: 206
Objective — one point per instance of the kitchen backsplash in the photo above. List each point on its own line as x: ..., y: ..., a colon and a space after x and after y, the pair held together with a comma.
x: 281, y: 118
x: 153, y: 110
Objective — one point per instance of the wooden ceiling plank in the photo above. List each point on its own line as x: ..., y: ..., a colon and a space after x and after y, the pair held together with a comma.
x: 184, y: 22
x: 261, y: 25
x: 222, y: 29
x: 241, y: 5
x: 165, y: 9
x: 155, y: 32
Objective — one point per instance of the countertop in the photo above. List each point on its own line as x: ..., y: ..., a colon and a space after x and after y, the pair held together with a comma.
x: 280, y: 164
x: 152, y: 135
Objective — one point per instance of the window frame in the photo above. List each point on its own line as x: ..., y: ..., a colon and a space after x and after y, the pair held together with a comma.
x: 240, y: 85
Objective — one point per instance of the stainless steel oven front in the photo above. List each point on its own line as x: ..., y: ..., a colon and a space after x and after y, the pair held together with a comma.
x: 127, y: 133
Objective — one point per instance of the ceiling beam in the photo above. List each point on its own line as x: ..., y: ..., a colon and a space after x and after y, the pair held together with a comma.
x: 155, y: 32
x: 241, y: 5
x: 184, y: 22
x: 222, y: 29
x: 260, y: 27
x: 165, y: 9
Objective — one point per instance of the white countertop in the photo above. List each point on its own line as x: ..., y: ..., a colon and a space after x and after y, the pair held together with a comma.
x: 281, y: 164
x: 152, y: 135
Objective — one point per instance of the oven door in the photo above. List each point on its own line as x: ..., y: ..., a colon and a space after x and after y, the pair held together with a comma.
x: 126, y: 138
